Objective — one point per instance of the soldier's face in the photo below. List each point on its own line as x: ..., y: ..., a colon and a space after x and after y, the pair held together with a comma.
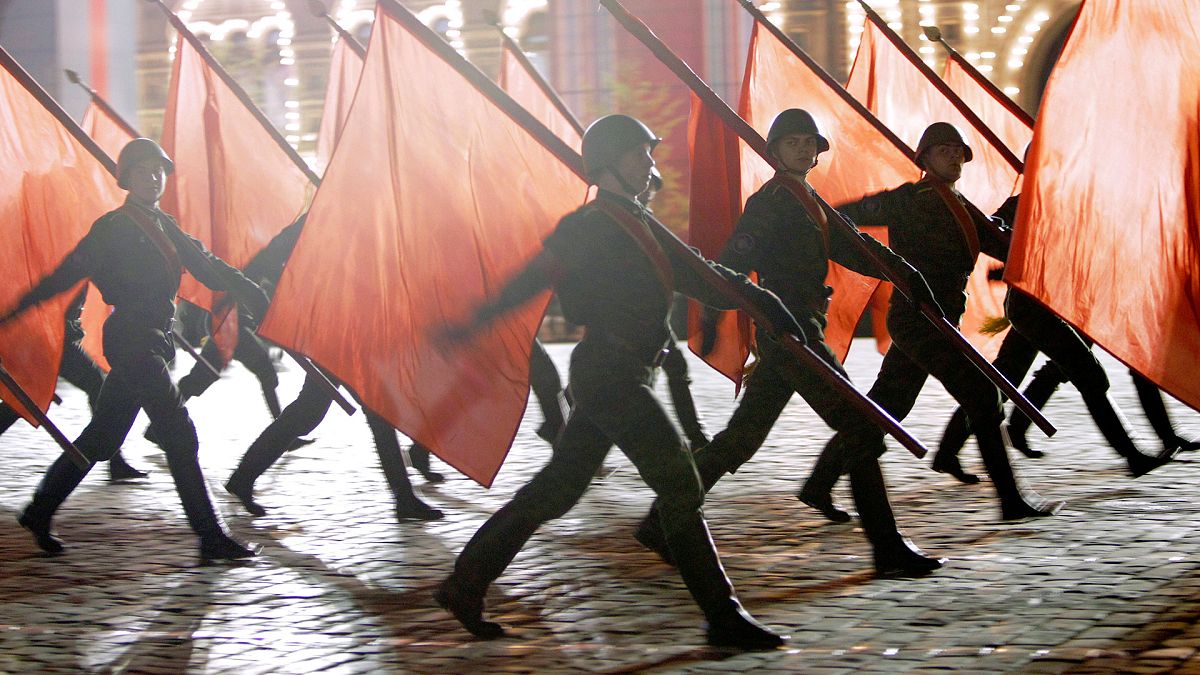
x: 946, y: 161
x: 797, y: 152
x: 147, y: 180
x: 634, y: 168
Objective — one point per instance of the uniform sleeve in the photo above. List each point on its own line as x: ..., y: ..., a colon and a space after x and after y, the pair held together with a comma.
x: 743, y: 251
x: 86, y: 256
x: 878, y: 209
x: 267, y: 265
x: 995, y: 234
x: 846, y: 249
x: 535, y: 277
x: 216, y: 273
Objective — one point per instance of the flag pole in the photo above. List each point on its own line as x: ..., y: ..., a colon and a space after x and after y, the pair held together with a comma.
x: 318, y: 9
x: 752, y: 138
x: 492, y: 19
x: 944, y: 89
x: 101, y: 103
x: 934, y: 34
x: 73, y: 453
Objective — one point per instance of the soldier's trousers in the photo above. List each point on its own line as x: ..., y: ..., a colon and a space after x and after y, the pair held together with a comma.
x: 300, y: 417
x: 139, y: 379
x: 614, y: 403
x: 1036, y: 328
x: 917, y: 352
x: 767, y: 392
x: 252, y: 353
x: 77, y: 368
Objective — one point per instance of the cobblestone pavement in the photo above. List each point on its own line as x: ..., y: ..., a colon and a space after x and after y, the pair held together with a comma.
x: 1110, y: 584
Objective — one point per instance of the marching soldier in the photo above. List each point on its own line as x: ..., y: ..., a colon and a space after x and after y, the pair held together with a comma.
x: 80, y: 370
x: 614, y: 275
x: 941, y: 233
x: 1035, y: 329
x: 135, y: 256
x: 780, y: 240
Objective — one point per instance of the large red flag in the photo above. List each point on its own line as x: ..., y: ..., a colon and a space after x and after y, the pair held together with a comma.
x: 434, y: 198
x: 235, y: 185
x: 111, y: 133
x: 528, y: 88
x: 862, y: 159
x: 886, y: 80
x: 1011, y: 125
x: 1108, y: 232
x: 345, y: 65
x: 51, y: 190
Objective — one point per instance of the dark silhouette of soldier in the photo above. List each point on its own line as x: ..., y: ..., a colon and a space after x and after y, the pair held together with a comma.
x: 135, y: 256
x: 613, y: 275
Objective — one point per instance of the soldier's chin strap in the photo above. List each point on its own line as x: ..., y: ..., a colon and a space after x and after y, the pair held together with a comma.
x: 624, y: 185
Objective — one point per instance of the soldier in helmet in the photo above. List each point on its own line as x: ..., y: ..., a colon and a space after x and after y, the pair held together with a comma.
x: 941, y: 233
x: 135, y: 256
x: 780, y: 240
x: 613, y: 275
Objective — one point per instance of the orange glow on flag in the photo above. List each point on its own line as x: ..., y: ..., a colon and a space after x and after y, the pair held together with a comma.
x: 234, y: 187
x: 1012, y: 130
x: 51, y: 191
x: 345, y: 65
x: 900, y: 95
x: 524, y: 88
x: 434, y: 198
x: 1108, y: 230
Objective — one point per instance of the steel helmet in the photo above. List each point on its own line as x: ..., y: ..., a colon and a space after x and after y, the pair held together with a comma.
x: 137, y: 150
x: 611, y: 136
x: 795, y: 121
x: 941, y: 133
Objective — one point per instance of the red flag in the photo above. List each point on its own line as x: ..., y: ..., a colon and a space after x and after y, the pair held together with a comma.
x: 433, y: 200
x: 527, y: 87
x: 1011, y: 124
x: 345, y: 65
x: 111, y: 133
x: 893, y: 88
x: 862, y: 159
x: 1108, y: 231
x: 51, y: 190
x: 235, y: 186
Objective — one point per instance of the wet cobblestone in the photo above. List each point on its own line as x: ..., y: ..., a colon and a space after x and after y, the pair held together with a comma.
x: 1111, y: 584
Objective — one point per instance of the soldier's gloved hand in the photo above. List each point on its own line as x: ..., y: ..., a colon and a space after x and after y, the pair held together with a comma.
x: 255, y: 302
x: 780, y: 320
x: 449, y: 336
x: 8, y: 316
x: 922, y: 294
x: 708, y: 331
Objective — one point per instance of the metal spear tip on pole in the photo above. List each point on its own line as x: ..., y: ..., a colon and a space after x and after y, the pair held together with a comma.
x: 490, y: 17
x: 932, y: 33
x: 317, y: 8
x: 72, y: 76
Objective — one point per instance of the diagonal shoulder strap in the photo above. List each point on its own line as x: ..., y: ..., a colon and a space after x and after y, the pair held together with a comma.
x: 645, y: 241
x: 814, y: 210
x: 964, y: 220
x: 156, y: 235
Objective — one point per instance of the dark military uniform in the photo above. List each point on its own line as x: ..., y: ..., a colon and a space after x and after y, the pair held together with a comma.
x: 606, y: 282
x: 138, y: 280
x: 1036, y: 328
x: 302, y: 416
x: 922, y: 228
x: 264, y: 269
x: 679, y: 384
x: 777, y: 238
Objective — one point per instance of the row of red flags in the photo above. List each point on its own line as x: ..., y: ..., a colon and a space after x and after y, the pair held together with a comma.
x: 430, y: 201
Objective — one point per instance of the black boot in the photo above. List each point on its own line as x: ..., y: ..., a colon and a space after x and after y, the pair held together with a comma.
x: 61, y: 478
x: 903, y: 560
x: 244, y: 491
x: 467, y: 607
x: 1018, y: 439
x: 220, y: 547
x: 895, y: 556
x: 408, y: 505
x: 710, y: 466
x: 1041, y: 387
x: 419, y: 455
x: 948, y: 463
x: 1015, y: 503
x: 729, y: 625
x: 1112, y: 426
x: 817, y: 491
x: 120, y: 470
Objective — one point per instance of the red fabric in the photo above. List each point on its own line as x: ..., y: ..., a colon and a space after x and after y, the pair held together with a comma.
x: 524, y: 89
x: 1011, y: 129
x: 884, y: 80
x: 51, y: 190
x: 1108, y: 232
x: 234, y: 188
x: 111, y: 135
x: 861, y: 161
x: 434, y: 199
x: 345, y: 66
